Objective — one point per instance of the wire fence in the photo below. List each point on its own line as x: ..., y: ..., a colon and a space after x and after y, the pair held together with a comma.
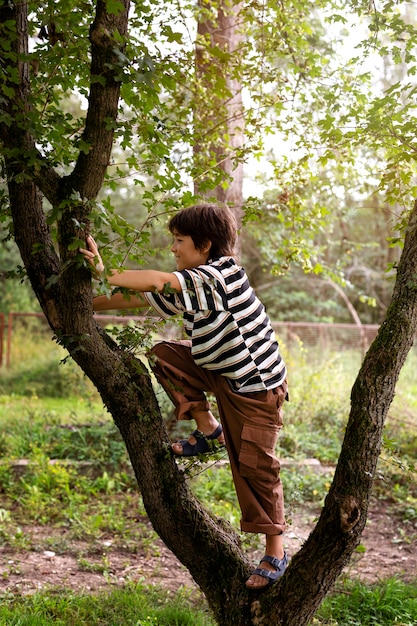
x: 326, y: 337
x: 319, y: 337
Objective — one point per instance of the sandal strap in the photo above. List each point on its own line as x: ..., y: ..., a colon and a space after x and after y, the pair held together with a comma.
x: 265, y: 573
x: 215, y: 434
x: 202, y: 444
x: 270, y: 576
x: 198, y: 434
x: 275, y: 562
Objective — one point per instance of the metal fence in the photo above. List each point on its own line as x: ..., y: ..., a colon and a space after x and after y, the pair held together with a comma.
x: 323, y: 337
x: 320, y: 337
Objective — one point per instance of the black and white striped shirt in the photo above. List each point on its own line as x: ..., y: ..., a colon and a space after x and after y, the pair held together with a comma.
x: 230, y: 331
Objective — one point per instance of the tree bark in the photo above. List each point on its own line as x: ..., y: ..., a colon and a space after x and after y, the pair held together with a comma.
x: 208, y: 547
x: 224, y: 119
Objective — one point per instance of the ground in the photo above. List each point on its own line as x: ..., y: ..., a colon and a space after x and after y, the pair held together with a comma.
x: 390, y: 548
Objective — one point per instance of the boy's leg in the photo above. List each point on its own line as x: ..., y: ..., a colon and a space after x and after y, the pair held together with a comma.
x: 185, y: 383
x: 274, y: 546
x: 251, y: 424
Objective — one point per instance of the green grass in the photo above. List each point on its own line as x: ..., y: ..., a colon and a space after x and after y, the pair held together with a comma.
x: 50, y: 411
x: 352, y: 604
x: 134, y: 605
x: 73, y: 409
x: 61, y: 417
x: 355, y: 604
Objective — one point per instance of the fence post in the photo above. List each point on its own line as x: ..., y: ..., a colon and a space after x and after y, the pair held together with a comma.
x: 9, y: 338
x: 1, y: 337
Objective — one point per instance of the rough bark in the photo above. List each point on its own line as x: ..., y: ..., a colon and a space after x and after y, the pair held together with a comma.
x: 31, y: 231
x: 205, y: 545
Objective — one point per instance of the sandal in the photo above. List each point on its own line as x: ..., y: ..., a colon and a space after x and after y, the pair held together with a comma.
x: 280, y: 566
x: 204, y: 443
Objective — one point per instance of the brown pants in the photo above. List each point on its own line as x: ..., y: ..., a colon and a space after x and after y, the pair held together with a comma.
x: 251, y: 423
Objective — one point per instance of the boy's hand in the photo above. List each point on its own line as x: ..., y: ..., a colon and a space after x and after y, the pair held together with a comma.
x: 92, y: 255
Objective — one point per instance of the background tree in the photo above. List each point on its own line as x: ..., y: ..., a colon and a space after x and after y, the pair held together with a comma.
x: 56, y: 163
x: 220, y: 38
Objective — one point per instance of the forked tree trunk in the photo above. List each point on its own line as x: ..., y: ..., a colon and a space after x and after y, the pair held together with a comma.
x: 208, y: 547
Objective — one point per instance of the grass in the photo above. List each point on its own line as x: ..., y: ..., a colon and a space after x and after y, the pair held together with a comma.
x: 134, y: 605
x: 355, y: 604
x: 352, y: 604
x: 51, y: 412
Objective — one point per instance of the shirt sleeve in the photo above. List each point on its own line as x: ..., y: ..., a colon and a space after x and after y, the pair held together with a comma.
x: 166, y: 305
x: 203, y: 289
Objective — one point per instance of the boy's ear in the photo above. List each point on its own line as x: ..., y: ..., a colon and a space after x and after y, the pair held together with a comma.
x: 206, y: 247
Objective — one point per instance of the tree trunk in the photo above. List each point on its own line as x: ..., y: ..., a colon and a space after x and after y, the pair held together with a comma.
x: 208, y: 547
x: 223, y: 121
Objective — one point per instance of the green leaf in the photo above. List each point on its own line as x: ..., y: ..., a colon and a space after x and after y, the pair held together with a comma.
x: 171, y: 35
x: 114, y: 7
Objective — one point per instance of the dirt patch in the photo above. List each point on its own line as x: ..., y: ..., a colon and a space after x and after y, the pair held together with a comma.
x: 388, y: 545
x: 390, y: 548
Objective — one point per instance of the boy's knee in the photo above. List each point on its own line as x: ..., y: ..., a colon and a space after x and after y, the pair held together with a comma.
x: 158, y: 352
x: 157, y: 347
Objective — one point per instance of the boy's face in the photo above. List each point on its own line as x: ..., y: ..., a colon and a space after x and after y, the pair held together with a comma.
x: 186, y: 254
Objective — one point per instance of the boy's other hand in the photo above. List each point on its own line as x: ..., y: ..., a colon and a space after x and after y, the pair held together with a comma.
x: 92, y: 255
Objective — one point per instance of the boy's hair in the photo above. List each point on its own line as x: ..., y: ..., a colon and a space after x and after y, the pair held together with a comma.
x: 207, y: 222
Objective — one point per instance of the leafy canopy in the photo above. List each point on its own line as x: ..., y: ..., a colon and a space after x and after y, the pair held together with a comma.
x: 329, y: 129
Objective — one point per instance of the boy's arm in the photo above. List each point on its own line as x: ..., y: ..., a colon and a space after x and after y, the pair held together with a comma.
x: 136, y: 280
x: 144, y: 280
x: 119, y: 301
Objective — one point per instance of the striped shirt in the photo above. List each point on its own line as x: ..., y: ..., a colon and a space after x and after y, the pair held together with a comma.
x: 229, y: 329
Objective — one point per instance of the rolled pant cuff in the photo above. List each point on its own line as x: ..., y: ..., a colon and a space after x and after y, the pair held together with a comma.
x: 264, y: 529
x: 182, y: 411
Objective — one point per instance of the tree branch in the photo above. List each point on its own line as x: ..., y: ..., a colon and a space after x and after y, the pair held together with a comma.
x: 18, y: 144
x: 106, y: 67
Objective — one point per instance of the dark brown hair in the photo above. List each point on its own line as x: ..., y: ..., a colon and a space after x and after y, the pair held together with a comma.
x: 207, y: 222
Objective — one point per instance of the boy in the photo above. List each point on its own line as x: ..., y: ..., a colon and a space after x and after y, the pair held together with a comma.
x: 232, y: 352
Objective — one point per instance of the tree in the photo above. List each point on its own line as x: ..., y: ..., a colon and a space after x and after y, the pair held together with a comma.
x: 67, y: 170
x: 221, y: 32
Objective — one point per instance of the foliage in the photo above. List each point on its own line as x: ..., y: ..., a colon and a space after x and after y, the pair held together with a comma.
x: 337, y: 164
x: 15, y: 291
x: 135, y: 605
x: 355, y: 604
x: 341, y: 132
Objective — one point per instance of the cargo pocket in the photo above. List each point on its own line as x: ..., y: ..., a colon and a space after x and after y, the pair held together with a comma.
x: 256, y: 455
